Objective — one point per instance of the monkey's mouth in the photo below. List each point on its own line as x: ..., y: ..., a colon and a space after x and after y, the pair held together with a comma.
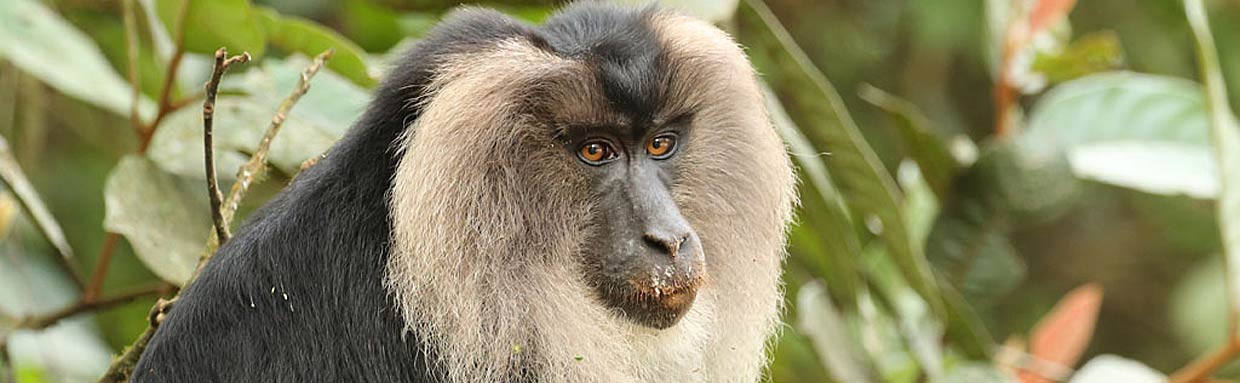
x: 659, y: 299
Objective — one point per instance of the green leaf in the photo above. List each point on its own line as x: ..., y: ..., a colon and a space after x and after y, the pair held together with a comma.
x: 828, y: 331
x: 314, y: 124
x: 211, y: 24
x: 933, y: 158
x: 1102, y: 121
x: 823, y: 214
x: 14, y: 178
x: 1113, y: 106
x: 1092, y: 53
x: 295, y: 34
x: 44, y: 45
x: 817, y: 108
x: 1225, y: 131
x: 922, y: 332
x: 165, y: 218
x: 1149, y: 166
x: 372, y: 26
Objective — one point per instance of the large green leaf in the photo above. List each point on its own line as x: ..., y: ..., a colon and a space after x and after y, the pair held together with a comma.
x: 41, y: 43
x: 12, y: 176
x: 211, y: 24
x: 818, y: 110
x: 318, y: 120
x: 825, y: 225
x: 165, y: 218
x: 1225, y: 131
x: 295, y: 34
x: 1113, y: 126
x: 829, y: 332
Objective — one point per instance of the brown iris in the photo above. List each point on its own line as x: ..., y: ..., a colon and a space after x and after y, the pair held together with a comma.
x: 596, y: 152
x: 662, y: 146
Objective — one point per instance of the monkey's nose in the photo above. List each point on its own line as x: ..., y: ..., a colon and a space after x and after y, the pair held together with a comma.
x: 666, y: 242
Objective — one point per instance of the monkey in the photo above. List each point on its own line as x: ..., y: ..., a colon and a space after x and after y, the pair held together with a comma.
x: 599, y: 198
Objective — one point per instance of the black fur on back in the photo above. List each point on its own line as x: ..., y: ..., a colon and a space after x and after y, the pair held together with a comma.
x: 297, y: 295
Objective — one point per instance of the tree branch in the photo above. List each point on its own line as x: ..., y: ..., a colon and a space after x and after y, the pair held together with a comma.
x: 131, y: 58
x: 166, y: 106
x: 258, y: 162
x: 44, y: 321
x: 101, y: 266
x: 222, y: 62
x: 145, y: 131
x: 10, y: 373
x: 1201, y: 369
x: 122, y: 367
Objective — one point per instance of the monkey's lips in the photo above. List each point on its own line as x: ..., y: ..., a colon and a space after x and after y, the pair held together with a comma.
x: 660, y: 301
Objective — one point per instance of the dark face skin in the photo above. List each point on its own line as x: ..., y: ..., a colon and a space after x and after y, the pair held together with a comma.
x: 644, y: 260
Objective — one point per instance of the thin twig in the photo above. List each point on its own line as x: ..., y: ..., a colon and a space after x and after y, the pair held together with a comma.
x: 122, y: 367
x: 1203, y: 367
x: 10, y: 372
x: 165, y: 94
x: 258, y: 162
x: 44, y: 321
x: 135, y: 119
x: 101, y: 266
x: 1004, y: 94
x: 131, y: 58
x: 222, y: 62
x: 186, y: 101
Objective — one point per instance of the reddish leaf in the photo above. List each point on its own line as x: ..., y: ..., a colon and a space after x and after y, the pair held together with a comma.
x: 1048, y: 12
x: 1064, y: 333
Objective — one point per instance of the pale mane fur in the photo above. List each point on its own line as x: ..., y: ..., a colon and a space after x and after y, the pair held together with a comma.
x: 489, y: 215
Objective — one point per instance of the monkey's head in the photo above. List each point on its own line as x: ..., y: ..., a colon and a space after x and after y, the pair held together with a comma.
x: 609, y: 167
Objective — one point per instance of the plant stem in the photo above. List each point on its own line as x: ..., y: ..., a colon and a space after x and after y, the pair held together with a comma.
x: 222, y: 62
x: 44, y: 321
x: 1201, y: 369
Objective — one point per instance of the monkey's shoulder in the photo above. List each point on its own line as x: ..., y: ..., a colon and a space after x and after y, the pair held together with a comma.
x: 296, y: 296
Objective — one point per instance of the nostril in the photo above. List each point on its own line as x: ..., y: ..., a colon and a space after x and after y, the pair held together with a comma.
x: 668, y: 244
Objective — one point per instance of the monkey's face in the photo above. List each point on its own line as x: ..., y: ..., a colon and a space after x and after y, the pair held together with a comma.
x: 646, y: 261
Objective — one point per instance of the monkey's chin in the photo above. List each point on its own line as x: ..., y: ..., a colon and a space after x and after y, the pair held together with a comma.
x: 659, y: 307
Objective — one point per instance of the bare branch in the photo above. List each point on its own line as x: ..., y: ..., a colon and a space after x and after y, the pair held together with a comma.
x: 1201, y: 369
x: 44, y: 321
x: 122, y: 367
x: 258, y: 162
x: 131, y: 58
x: 222, y: 62
x: 101, y: 266
x: 166, y: 106
x: 6, y: 362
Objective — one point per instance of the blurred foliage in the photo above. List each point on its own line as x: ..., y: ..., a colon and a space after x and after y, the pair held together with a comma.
x: 927, y: 247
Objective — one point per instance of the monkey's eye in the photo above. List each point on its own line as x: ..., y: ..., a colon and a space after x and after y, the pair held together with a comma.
x: 597, y: 152
x: 662, y: 146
